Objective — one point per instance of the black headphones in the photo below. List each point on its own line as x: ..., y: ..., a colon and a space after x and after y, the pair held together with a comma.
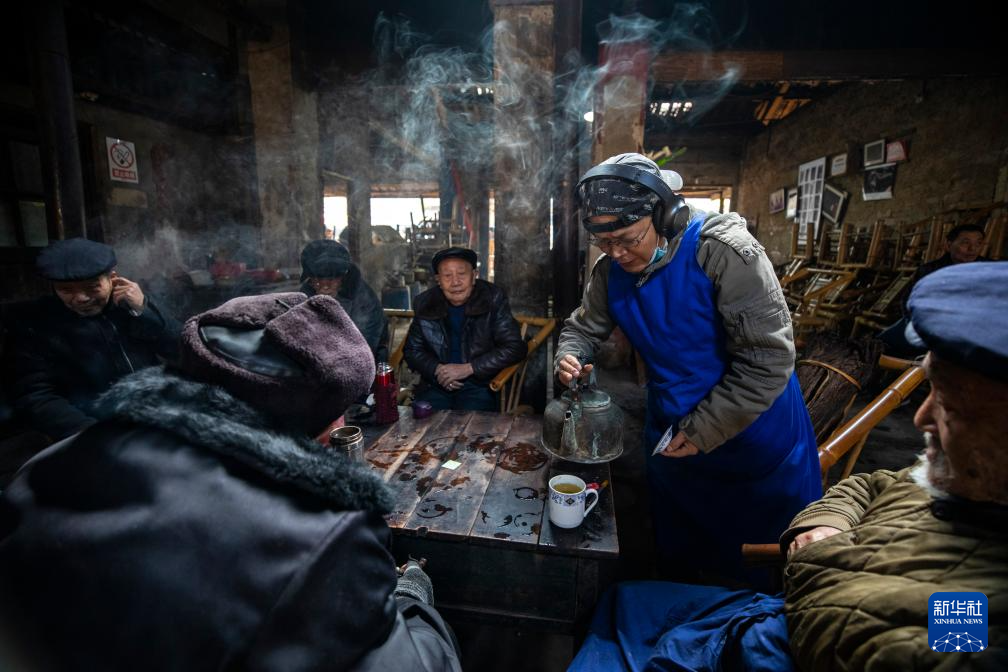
x: 668, y: 201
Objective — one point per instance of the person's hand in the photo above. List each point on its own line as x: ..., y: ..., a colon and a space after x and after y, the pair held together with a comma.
x: 127, y: 293
x: 450, y: 376
x: 808, y: 536
x: 570, y: 368
x: 414, y: 583
x: 680, y: 446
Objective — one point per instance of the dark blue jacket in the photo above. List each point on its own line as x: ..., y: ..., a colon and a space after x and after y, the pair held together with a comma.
x: 58, y: 362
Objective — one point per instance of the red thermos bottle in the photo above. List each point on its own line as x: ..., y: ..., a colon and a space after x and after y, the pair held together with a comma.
x: 385, y: 395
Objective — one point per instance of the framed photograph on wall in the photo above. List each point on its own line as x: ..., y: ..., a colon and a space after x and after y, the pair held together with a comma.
x: 896, y: 151
x: 777, y: 200
x: 838, y: 165
x: 791, y: 211
x: 874, y: 153
x: 878, y: 182
x: 833, y: 201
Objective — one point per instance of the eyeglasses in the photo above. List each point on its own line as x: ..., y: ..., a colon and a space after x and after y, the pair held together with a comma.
x: 607, y: 244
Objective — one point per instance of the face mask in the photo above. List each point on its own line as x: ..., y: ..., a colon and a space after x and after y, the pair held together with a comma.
x: 658, y: 253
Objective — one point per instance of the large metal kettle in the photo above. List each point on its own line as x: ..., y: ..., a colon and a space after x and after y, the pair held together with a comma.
x: 583, y: 425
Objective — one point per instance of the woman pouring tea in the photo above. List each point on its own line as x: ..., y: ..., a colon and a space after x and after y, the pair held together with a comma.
x: 731, y: 454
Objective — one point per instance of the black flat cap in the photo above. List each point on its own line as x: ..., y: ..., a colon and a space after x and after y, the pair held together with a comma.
x: 463, y: 253
x: 960, y: 313
x: 324, y: 259
x: 75, y: 259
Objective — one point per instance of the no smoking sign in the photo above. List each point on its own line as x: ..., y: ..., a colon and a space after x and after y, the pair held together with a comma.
x: 121, y: 156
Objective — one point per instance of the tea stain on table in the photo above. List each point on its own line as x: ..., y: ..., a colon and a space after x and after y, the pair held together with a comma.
x: 435, y: 511
x: 521, y: 458
x: 526, y: 493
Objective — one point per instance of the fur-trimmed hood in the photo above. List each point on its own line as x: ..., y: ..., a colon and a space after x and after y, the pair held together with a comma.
x: 207, y: 416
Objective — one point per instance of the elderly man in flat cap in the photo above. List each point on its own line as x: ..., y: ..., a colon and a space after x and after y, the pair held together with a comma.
x: 463, y: 334
x: 69, y: 347
x: 326, y: 269
x: 198, y: 526
x: 874, y: 565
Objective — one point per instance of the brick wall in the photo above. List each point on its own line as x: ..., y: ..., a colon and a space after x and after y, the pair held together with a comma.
x: 958, y: 143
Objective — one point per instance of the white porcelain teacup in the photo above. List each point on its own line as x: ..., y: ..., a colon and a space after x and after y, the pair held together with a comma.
x: 567, y: 497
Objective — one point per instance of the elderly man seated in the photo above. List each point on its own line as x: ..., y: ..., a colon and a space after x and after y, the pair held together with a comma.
x: 462, y: 335
x: 866, y: 561
x: 68, y: 348
x: 326, y: 269
x: 962, y: 246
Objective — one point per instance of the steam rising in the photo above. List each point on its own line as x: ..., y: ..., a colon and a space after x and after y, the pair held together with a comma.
x: 492, y: 113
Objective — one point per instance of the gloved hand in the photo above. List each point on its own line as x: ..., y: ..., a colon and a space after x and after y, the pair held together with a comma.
x: 414, y: 582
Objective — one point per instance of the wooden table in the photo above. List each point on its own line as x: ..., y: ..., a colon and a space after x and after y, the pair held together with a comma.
x: 492, y: 552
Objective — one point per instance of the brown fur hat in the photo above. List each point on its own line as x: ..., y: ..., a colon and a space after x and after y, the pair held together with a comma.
x: 300, y: 360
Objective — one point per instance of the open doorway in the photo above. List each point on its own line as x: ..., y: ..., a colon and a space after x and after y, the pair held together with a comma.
x: 712, y: 199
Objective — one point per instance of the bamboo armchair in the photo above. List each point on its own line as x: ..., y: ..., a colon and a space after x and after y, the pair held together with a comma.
x: 508, y: 383
x: 849, y: 440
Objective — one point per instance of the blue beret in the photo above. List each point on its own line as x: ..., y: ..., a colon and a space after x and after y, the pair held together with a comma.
x: 75, y: 259
x: 960, y: 313
x: 463, y: 253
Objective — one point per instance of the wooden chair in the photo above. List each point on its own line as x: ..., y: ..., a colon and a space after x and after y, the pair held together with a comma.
x: 849, y: 440
x: 919, y: 242
x: 823, y: 301
x: 830, y: 245
x: 508, y: 383
x: 399, y: 321
x: 886, y: 308
x: 861, y: 245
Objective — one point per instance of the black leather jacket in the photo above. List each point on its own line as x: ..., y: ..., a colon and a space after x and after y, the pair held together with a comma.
x: 491, y: 338
x: 184, y: 532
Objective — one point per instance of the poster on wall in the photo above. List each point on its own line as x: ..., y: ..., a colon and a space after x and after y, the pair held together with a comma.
x: 896, y: 151
x: 838, y: 165
x: 791, y: 211
x: 777, y: 200
x: 121, y: 155
x: 878, y: 182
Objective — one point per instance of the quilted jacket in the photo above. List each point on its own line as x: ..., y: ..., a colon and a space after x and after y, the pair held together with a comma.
x: 859, y: 600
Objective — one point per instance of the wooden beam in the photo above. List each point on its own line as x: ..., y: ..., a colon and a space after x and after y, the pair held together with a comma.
x: 672, y: 67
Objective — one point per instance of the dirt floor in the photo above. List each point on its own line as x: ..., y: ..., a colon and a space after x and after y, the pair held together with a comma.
x: 892, y: 445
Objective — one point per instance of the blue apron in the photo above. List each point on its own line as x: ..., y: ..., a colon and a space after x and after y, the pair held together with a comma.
x: 747, y: 490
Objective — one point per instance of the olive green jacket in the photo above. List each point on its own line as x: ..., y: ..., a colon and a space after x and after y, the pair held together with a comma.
x: 859, y: 600
x: 756, y: 319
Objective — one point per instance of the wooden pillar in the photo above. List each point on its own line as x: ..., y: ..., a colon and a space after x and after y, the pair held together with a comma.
x: 285, y: 117
x: 620, y: 101
x: 566, y: 224
x: 524, y: 64
x: 52, y: 87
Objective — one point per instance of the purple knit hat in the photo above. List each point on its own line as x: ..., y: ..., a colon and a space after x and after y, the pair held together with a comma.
x: 301, y: 360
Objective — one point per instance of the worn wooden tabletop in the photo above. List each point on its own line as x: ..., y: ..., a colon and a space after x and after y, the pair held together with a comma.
x: 495, y: 495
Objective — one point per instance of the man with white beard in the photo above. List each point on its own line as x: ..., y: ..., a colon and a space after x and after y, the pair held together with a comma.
x: 866, y: 560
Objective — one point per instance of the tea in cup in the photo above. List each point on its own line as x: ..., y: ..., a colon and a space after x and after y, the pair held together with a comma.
x: 567, y: 498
